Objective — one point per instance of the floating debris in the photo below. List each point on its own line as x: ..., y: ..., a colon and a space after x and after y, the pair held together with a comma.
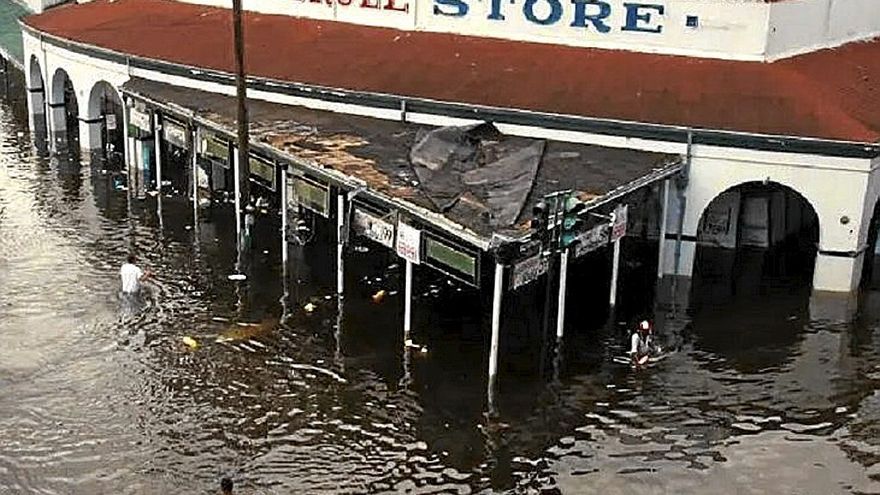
x: 379, y: 296
x: 190, y: 342
x: 309, y: 307
x: 237, y: 277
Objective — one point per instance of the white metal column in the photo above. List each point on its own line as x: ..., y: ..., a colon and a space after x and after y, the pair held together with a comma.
x: 407, y: 302
x: 340, y: 225
x: 496, y: 330
x: 237, y: 172
x: 195, y: 176
x: 157, y: 138
x: 284, y: 218
x: 563, y: 284
x: 615, y: 268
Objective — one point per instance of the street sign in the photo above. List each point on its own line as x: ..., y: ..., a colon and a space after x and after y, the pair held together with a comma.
x: 528, y: 270
x: 409, y: 242
x: 618, y: 230
x: 373, y: 227
x: 592, y: 239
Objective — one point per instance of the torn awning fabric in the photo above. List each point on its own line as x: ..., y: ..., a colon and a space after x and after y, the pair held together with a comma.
x: 477, y: 162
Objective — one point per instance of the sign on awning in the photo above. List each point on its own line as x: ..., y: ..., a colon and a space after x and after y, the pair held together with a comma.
x: 591, y: 240
x: 373, y: 227
x: 312, y: 195
x: 528, y: 270
x: 174, y: 133
x: 262, y: 171
x: 139, y: 119
x: 618, y: 230
x: 452, y: 259
x: 409, y: 243
x: 215, y: 148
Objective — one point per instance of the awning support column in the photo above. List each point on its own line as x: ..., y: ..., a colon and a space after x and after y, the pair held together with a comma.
x: 407, y: 304
x: 157, y: 138
x: 340, y: 239
x: 496, y: 330
x: 195, y: 176
x: 284, y: 219
x: 615, y: 268
x: 563, y: 283
x: 237, y: 172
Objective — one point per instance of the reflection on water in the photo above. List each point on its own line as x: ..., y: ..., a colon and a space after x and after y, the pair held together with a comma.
x: 100, y: 396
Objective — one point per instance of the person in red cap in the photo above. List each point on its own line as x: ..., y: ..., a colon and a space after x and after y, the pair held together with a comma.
x: 641, y: 344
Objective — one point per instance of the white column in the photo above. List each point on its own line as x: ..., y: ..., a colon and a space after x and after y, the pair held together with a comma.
x: 496, y: 330
x: 236, y: 169
x: 615, y: 268
x: 284, y: 218
x: 126, y: 147
x: 664, y: 209
x: 340, y: 237
x: 157, y: 139
x: 563, y: 284
x: 407, y: 302
x: 837, y: 272
x: 90, y: 132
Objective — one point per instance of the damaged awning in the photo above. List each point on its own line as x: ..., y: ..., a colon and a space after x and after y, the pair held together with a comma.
x: 470, y: 182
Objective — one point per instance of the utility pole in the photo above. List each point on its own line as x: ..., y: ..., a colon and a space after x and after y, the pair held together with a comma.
x: 241, y: 97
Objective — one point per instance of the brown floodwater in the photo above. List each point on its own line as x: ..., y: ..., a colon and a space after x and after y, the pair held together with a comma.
x: 101, y: 395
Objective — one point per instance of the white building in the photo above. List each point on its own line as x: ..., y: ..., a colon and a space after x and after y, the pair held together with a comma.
x: 775, y: 104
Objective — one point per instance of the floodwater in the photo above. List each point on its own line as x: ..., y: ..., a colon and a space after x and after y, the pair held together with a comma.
x: 98, y: 395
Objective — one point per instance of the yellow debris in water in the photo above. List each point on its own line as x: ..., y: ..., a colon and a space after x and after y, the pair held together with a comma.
x: 309, y: 307
x: 378, y: 296
x: 191, y: 342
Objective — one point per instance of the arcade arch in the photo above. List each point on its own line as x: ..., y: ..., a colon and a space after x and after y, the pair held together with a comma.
x: 752, y: 239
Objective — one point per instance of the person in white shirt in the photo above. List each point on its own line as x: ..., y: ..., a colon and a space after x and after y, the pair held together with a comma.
x: 132, y: 276
x: 641, y: 344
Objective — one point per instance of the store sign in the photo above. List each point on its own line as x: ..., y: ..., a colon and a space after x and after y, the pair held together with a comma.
x: 312, y: 195
x: 409, y: 243
x: 262, y: 171
x: 174, y: 134
x: 618, y: 230
x: 373, y: 227
x: 456, y: 261
x: 215, y: 149
x: 528, y: 270
x: 140, y: 119
x: 591, y: 240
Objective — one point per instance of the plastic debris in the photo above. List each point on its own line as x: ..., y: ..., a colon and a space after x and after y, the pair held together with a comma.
x: 190, y: 342
x: 237, y: 277
x: 379, y: 296
x: 309, y: 307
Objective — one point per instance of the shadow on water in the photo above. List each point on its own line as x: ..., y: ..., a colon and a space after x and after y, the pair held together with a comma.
x: 101, y: 396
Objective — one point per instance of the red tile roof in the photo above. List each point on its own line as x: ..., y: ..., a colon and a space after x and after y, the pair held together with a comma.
x: 833, y: 94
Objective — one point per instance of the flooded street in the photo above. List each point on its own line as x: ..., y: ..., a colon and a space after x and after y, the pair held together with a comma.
x: 98, y: 395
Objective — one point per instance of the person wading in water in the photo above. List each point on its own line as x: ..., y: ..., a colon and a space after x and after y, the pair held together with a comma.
x: 132, y: 276
x: 641, y: 344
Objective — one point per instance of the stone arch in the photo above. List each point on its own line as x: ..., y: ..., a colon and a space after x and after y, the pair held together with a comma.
x: 753, y: 237
x: 36, y: 88
x: 63, y: 105
x: 104, y: 119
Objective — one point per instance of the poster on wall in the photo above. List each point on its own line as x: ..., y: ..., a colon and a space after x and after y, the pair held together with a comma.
x: 718, y: 223
x: 409, y: 243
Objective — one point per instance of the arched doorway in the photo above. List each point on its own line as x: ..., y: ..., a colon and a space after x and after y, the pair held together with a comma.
x: 755, y: 239
x: 105, y: 123
x: 36, y: 98
x: 64, y: 111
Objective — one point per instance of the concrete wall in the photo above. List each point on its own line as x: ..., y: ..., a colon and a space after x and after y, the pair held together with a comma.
x: 800, y: 26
